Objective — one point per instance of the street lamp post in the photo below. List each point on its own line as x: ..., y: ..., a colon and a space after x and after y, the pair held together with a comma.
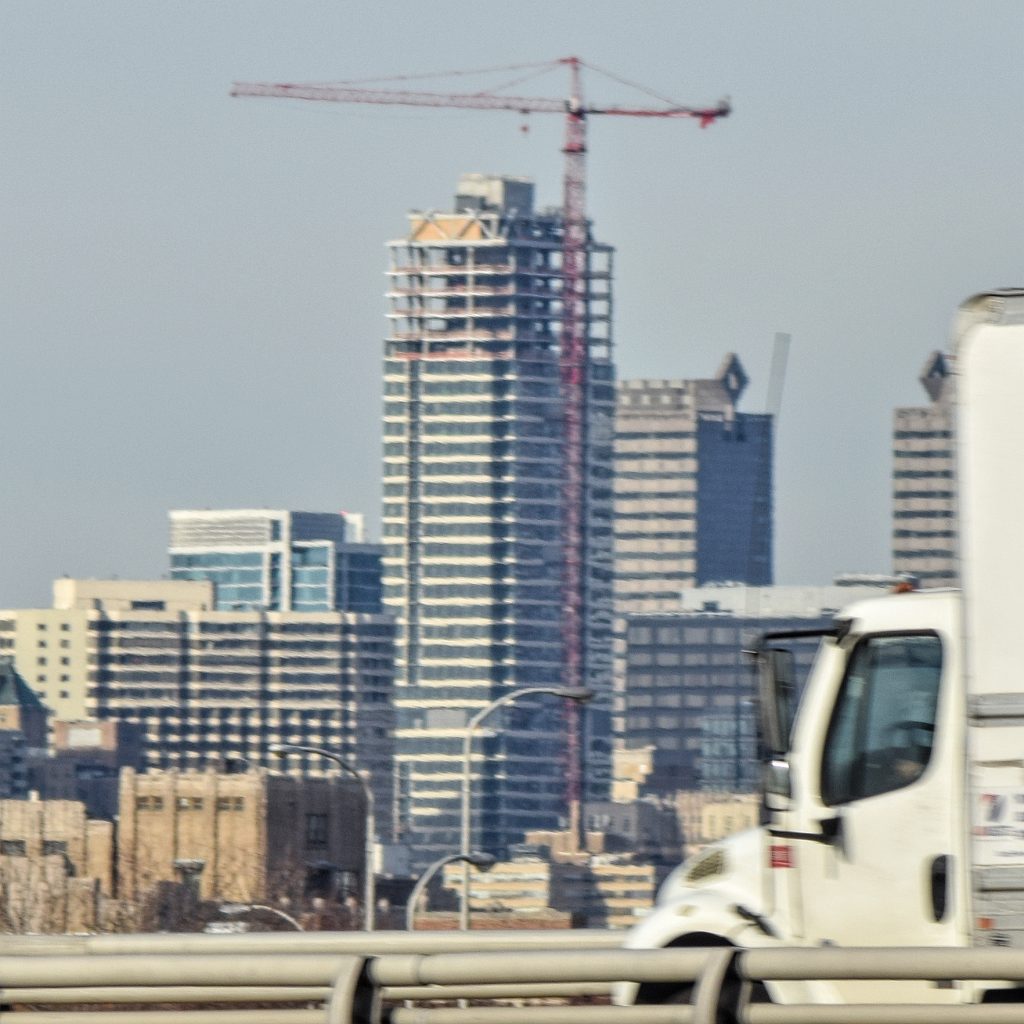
x: 369, y: 888
x: 577, y: 694
x: 241, y: 909
x: 483, y: 861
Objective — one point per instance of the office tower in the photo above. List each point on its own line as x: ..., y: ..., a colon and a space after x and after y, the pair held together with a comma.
x: 693, y: 495
x: 923, y: 484
x: 693, y: 489
x: 473, y: 520
x: 209, y: 688
x: 275, y: 560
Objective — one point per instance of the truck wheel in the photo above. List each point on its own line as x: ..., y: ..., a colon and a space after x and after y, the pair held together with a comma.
x: 668, y: 994
x: 676, y: 993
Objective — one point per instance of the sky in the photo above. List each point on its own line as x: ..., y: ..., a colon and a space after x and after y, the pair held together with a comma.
x: 191, y: 285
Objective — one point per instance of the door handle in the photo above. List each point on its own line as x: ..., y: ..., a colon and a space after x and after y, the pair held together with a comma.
x: 940, y: 885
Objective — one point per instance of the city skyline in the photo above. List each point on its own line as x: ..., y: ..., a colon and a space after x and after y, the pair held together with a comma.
x: 191, y: 297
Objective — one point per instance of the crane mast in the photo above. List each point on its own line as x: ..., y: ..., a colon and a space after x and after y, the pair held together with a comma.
x: 573, y: 339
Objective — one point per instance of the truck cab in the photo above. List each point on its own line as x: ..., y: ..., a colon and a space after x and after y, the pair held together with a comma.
x: 863, y: 794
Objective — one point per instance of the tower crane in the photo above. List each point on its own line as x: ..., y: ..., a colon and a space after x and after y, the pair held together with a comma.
x: 573, y: 337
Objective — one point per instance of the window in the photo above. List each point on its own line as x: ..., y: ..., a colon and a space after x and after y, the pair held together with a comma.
x: 12, y: 847
x: 149, y: 803
x: 230, y: 803
x: 53, y: 847
x: 880, y: 736
x: 316, y: 831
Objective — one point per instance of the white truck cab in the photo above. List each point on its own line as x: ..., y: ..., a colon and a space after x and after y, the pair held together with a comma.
x: 893, y: 798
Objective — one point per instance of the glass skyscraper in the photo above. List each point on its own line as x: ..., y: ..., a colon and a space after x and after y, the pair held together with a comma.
x: 473, y: 464
x: 275, y: 560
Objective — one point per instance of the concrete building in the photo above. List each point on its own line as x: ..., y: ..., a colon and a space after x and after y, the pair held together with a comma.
x: 473, y: 476
x: 85, y: 762
x: 276, y: 560
x: 56, y: 867
x: 209, y: 687
x: 50, y: 646
x: 645, y: 830
x: 240, y: 838
x: 687, y: 680
x: 923, y: 485
x: 707, y: 817
x: 598, y: 890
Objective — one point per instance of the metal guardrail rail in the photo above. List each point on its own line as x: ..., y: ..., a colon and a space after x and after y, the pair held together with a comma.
x: 460, y: 978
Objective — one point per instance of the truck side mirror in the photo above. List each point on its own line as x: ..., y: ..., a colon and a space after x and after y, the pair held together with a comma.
x: 776, y: 692
x: 775, y: 781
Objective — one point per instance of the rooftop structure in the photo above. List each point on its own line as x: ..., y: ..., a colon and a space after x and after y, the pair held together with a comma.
x: 277, y: 560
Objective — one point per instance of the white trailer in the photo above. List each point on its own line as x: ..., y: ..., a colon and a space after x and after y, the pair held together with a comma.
x: 894, y: 796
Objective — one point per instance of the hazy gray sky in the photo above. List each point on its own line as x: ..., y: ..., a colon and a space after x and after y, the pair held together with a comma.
x: 192, y: 285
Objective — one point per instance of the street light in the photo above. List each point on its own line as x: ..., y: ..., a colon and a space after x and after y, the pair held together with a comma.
x: 369, y: 889
x: 483, y: 861
x: 577, y: 694
x: 241, y: 909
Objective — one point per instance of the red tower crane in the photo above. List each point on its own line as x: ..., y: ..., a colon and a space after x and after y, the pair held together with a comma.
x: 573, y: 339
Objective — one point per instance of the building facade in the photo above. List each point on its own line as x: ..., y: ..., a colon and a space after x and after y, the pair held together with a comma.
x: 56, y: 867
x: 473, y: 518
x: 693, y: 489
x: 240, y: 837
x: 923, y: 482
x: 595, y: 890
x: 276, y: 560
x: 207, y: 688
x: 693, y: 495
x: 690, y: 690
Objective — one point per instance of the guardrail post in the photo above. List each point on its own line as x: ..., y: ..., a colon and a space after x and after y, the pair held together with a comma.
x: 352, y: 995
x: 711, y: 985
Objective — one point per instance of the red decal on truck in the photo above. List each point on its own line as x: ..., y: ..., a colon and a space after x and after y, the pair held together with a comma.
x: 781, y: 856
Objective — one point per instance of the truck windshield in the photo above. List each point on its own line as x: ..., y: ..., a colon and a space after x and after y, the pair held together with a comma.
x: 882, y: 728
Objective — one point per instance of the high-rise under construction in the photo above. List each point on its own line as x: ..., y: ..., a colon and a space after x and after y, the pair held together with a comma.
x: 474, y: 525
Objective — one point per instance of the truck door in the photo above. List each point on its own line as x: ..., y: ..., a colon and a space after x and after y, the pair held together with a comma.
x: 874, y: 840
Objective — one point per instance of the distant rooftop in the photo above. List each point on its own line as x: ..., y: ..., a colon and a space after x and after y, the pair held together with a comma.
x: 14, y: 691
x: 777, y: 602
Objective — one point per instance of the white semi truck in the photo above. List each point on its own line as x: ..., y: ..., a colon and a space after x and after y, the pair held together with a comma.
x: 894, y: 794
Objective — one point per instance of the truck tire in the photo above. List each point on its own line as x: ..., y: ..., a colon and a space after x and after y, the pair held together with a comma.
x: 676, y: 993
